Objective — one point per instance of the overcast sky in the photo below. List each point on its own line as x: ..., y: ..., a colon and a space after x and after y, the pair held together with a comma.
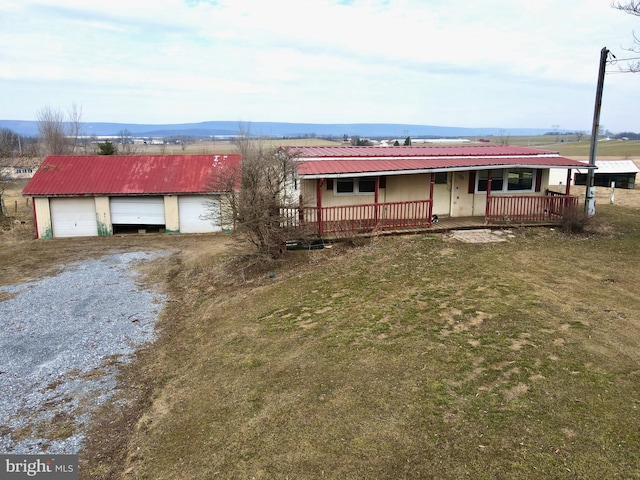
x: 467, y: 63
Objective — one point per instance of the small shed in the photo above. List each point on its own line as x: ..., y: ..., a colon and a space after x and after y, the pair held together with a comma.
x: 622, y: 172
x: 102, y: 194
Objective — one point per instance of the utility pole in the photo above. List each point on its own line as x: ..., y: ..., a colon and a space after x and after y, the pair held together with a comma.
x: 590, y: 197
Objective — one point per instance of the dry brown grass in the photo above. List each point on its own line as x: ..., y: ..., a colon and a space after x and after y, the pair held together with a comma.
x: 405, y: 357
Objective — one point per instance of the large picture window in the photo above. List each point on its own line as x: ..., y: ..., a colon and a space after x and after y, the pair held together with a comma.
x: 508, y: 180
x: 521, y: 179
x: 354, y: 186
x: 496, y: 180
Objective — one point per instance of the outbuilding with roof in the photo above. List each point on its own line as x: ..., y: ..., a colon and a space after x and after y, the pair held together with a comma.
x: 102, y: 194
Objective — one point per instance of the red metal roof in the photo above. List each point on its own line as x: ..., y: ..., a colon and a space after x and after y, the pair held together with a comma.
x: 421, y: 151
x: 317, y: 161
x: 128, y: 174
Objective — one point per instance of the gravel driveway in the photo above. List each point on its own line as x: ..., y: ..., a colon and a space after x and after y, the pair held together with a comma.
x: 61, y: 339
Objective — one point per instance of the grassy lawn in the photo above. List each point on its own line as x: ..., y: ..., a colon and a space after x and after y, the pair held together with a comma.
x: 407, y: 357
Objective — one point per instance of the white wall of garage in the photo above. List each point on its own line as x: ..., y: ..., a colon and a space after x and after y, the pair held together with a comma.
x: 92, y: 216
x: 199, y: 213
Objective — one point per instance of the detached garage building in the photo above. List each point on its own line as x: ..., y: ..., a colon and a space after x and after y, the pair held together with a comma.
x: 75, y: 196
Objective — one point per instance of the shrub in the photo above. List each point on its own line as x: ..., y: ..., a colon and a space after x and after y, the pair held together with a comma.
x: 575, y: 220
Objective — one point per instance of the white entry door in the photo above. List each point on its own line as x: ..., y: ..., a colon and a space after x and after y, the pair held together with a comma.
x: 73, y: 217
x: 137, y: 210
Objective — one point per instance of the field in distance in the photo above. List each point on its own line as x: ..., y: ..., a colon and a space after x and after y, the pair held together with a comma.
x: 566, y: 145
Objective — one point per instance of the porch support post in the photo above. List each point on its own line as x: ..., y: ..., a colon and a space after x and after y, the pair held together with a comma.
x: 376, y: 208
x: 300, y: 210
x: 319, y: 205
x: 486, y: 210
x: 568, y: 182
x: 432, y: 182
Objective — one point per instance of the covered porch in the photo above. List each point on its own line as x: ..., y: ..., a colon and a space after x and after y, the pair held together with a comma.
x: 380, y: 217
x: 373, y: 189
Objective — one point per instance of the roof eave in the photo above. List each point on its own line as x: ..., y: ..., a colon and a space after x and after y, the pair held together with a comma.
x: 432, y: 170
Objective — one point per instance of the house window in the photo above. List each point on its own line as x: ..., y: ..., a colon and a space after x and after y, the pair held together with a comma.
x: 509, y: 180
x: 521, y: 179
x: 354, y: 186
x: 344, y: 186
x: 496, y: 180
x: 366, y: 185
x: 441, y: 178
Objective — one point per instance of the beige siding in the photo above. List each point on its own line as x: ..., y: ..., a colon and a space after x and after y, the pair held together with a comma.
x: 406, y: 188
x: 171, y: 214
x: 103, y: 216
x: 43, y: 217
x: 452, y: 198
x: 399, y: 188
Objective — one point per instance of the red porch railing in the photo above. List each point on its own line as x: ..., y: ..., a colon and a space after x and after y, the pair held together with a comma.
x: 396, y: 215
x: 523, y: 208
x: 360, y: 218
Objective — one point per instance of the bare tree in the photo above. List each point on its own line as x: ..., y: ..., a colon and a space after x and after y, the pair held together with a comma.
x: 632, y: 7
x: 5, y: 182
x: 127, y: 147
x: 74, y: 126
x: 258, y: 193
x: 10, y: 143
x: 52, y: 131
x: 57, y: 135
x: 503, y: 138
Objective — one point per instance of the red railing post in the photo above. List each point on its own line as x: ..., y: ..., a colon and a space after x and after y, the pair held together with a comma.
x: 487, y: 208
x: 319, y: 205
x: 375, y: 200
x: 431, y: 185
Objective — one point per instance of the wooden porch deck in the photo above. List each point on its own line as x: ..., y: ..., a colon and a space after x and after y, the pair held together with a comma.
x: 446, y: 224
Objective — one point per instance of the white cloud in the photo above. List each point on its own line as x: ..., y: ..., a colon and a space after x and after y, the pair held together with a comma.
x: 493, y: 63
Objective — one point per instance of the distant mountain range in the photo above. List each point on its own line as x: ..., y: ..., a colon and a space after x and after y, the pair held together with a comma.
x: 278, y: 129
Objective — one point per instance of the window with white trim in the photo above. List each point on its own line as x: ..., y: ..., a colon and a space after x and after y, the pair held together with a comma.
x: 507, y: 180
x: 354, y: 186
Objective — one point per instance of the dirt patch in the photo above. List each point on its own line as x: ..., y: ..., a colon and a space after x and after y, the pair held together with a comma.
x: 481, y: 235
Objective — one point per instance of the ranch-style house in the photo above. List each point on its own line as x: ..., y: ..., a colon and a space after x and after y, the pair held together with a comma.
x: 350, y: 189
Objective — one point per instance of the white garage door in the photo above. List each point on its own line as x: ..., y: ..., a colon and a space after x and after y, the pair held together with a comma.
x: 73, y: 217
x: 137, y: 210
x: 199, y: 214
